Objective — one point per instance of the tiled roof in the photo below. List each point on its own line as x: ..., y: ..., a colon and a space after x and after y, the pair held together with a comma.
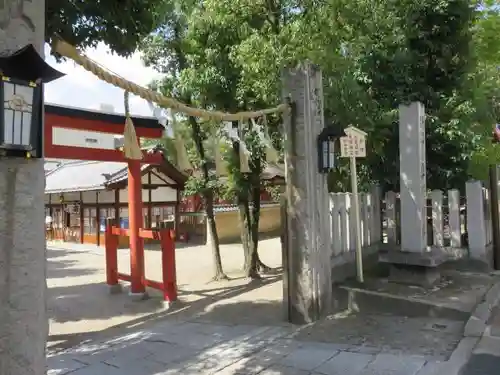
x: 81, y: 175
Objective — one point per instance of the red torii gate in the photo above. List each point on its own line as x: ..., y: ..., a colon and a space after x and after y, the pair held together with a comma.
x: 80, y: 119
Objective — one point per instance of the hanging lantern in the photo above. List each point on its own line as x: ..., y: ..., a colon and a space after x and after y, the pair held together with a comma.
x: 327, y: 140
x: 23, y: 74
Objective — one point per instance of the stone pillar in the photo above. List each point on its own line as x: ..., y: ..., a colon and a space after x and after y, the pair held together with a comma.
x: 23, y: 319
x: 308, y: 218
x: 412, y: 169
x: 476, y: 223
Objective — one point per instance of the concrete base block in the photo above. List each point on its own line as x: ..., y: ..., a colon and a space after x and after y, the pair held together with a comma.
x: 138, y: 296
x: 115, y: 289
x: 414, y: 275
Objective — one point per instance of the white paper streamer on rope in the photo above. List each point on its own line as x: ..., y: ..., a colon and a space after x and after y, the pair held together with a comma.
x: 162, y: 116
x: 220, y: 165
x: 182, y: 157
x: 244, y: 152
x: 262, y: 131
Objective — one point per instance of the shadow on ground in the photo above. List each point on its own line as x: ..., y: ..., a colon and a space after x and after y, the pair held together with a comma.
x: 58, y: 267
x: 194, y: 347
x: 209, y: 306
x: 186, y: 348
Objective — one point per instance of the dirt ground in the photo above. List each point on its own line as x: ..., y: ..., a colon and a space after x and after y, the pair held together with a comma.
x: 80, y: 307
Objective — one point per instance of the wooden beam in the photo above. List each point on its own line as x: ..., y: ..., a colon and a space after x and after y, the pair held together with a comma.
x: 177, y: 213
x: 98, y: 219
x: 57, y: 121
x: 95, y: 154
x: 117, y: 207
x: 161, y: 178
x: 112, y: 204
x: 82, y: 227
x: 150, y: 198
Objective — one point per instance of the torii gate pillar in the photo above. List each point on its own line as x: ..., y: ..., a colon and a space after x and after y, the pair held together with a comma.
x: 137, y: 272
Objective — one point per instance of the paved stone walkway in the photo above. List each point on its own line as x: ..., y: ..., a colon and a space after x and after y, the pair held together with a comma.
x: 202, y: 349
x: 485, y: 359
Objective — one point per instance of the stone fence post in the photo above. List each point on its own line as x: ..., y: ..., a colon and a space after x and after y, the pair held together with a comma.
x: 476, y: 223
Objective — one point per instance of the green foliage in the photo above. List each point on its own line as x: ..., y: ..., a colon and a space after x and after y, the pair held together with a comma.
x: 481, y: 159
x: 120, y: 24
x: 428, y: 60
x: 374, y: 56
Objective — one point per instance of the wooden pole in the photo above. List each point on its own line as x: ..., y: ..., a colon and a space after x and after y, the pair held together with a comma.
x: 82, y: 219
x: 150, y: 199
x: 355, y: 197
x: 495, y: 215
x: 98, y: 219
x: 117, y: 207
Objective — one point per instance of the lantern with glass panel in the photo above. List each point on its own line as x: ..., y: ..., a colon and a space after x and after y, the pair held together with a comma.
x: 327, y: 147
x: 22, y: 75
x: 21, y: 123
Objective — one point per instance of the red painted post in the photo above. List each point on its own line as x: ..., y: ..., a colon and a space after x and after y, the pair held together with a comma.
x: 135, y: 223
x: 111, y: 249
x: 169, y: 272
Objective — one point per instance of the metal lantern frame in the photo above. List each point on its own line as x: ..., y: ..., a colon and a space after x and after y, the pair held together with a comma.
x: 25, y: 67
x: 15, y: 146
x: 327, y: 144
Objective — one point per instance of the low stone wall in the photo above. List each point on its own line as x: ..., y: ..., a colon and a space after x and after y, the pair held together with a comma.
x: 228, y: 224
x: 344, y: 264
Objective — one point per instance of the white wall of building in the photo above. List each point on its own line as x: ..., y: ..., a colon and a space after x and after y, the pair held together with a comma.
x: 161, y: 194
x: 83, y: 138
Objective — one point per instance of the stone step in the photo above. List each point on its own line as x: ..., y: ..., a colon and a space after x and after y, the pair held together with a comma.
x: 373, y: 302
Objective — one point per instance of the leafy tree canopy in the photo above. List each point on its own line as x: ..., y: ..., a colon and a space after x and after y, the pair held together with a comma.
x: 374, y: 56
x: 121, y: 24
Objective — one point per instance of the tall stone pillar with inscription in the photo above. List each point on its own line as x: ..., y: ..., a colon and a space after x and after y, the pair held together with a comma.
x: 413, y: 262
x: 412, y: 170
x: 308, y: 242
x: 23, y: 319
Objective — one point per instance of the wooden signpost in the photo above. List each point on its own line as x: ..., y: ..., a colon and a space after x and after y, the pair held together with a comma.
x: 353, y: 146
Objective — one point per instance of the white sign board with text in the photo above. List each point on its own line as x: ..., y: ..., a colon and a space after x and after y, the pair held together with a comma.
x: 353, y: 144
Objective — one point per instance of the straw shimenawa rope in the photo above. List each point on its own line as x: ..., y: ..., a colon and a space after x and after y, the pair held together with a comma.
x: 131, y: 147
x: 64, y: 49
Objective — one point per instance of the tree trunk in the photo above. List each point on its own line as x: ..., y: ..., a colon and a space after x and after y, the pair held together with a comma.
x: 250, y: 264
x: 215, y: 245
x: 208, y: 198
x: 23, y: 319
x: 207, y: 194
x: 260, y: 266
x: 242, y: 216
x: 254, y: 232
